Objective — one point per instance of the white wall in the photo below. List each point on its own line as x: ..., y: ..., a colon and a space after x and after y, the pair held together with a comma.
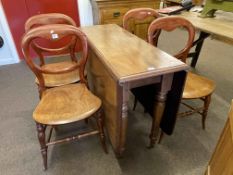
x: 85, y: 12
x: 8, y: 53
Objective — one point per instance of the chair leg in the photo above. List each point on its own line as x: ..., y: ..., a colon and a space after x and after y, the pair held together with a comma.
x: 205, y: 111
x: 161, y: 136
x: 39, y: 91
x: 135, y: 103
x: 56, y: 128
x: 100, y: 124
x: 41, y: 137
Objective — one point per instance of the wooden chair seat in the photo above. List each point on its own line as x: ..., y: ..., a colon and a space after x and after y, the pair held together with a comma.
x: 197, y: 86
x: 66, y: 104
x: 53, y: 80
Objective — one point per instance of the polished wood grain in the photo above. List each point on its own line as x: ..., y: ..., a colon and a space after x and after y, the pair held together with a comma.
x: 104, y: 86
x: 116, y: 65
x: 222, y: 158
x: 46, y: 34
x: 220, y: 27
x: 53, y: 80
x: 46, y: 19
x: 49, y: 18
x: 169, y: 24
x: 66, y: 104
x: 197, y: 86
x: 69, y: 102
x: 50, y: 79
x: 134, y: 19
x: 113, y: 49
x: 112, y: 12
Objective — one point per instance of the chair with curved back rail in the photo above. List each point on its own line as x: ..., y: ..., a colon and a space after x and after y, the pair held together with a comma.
x: 196, y: 86
x: 67, y: 103
x: 61, y: 79
x: 139, y: 16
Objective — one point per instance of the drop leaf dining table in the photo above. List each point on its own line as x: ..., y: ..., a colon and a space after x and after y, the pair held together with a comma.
x: 120, y: 61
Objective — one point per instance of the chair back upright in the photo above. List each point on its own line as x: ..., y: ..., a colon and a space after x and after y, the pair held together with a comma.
x: 55, y: 33
x: 46, y: 19
x: 169, y: 24
x: 132, y: 17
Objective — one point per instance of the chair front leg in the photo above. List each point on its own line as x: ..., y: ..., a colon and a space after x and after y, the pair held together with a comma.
x: 41, y: 137
x: 205, y: 110
x: 100, y: 124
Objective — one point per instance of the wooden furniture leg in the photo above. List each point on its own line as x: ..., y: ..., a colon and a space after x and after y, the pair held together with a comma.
x: 41, y: 137
x: 100, y: 124
x: 161, y: 136
x: 123, y: 98
x: 205, y: 110
x: 114, y: 101
x: 169, y: 92
x: 159, y: 107
x: 135, y: 103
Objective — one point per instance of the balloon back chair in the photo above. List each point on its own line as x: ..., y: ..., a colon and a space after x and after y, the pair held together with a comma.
x: 196, y: 86
x: 52, y: 80
x: 67, y: 103
x: 138, y: 20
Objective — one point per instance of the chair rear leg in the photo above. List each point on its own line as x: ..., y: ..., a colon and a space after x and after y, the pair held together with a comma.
x: 135, y: 103
x: 161, y: 136
x: 205, y: 110
x: 41, y: 137
x: 39, y: 91
x: 100, y: 124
